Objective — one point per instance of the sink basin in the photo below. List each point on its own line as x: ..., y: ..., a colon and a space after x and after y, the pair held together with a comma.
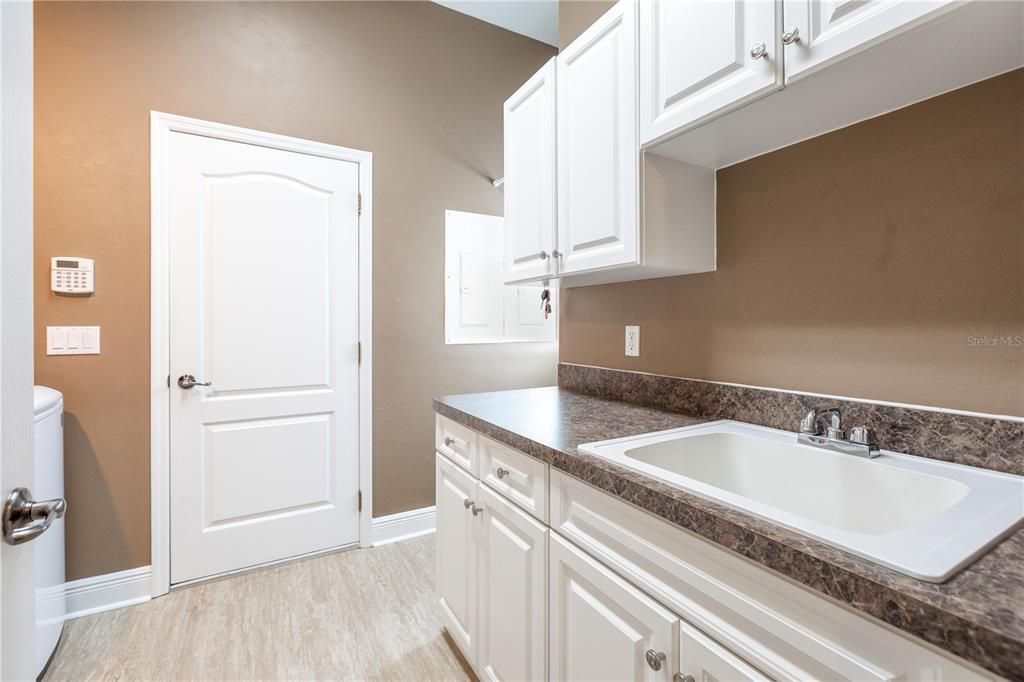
x: 922, y: 517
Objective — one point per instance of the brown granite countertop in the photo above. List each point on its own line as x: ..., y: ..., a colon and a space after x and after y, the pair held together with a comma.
x: 978, y: 614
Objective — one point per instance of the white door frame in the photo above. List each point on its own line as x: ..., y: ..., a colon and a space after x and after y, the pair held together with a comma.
x: 161, y: 127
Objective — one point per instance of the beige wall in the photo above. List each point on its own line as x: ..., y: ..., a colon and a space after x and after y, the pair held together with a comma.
x: 418, y: 85
x: 858, y: 263
x: 575, y: 16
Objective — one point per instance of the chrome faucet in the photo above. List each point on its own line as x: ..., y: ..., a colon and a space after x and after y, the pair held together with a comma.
x: 824, y: 429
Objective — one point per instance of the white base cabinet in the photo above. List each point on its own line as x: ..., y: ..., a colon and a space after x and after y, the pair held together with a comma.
x: 491, y: 577
x: 543, y: 577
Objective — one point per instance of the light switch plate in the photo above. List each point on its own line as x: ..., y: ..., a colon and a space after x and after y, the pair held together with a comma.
x: 72, y: 340
x: 632, y: 340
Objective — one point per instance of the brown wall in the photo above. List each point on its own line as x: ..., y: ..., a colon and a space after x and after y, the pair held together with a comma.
x: 858, y: 263
x: 418, y: 85
x: 575, y: 16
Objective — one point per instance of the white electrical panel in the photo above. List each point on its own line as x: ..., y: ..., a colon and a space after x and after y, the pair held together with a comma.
x: 72, y: 340
x: 72, y: 275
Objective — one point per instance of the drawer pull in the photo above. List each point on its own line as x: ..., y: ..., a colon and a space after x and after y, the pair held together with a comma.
x: 655, y: 659
x: 501, y: 473
x: 476, y: 510
x: 449, y: 441
x: 679, y: 677
x: 467, y: 503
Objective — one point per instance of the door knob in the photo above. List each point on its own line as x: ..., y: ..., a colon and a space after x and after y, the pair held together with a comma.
x: 791, y: 35
x: 501, y: 472
x: 759, y: 51
x: 188, y: 381
x: 25, y: 519
x: 655, y: 659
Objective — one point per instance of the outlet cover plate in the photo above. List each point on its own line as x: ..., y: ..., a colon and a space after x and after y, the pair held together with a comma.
x: 632, y: 341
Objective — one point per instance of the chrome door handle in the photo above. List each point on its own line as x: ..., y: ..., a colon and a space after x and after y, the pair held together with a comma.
x: 188, y: 381
x: 25, y: 519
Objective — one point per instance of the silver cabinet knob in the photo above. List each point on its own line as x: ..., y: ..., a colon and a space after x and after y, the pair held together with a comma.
x: 556, y: 254
x: 476, y: 510
x: 501, y: 473
x: 449, y: 441
x: 187, y: 381
x: 543, y: 255
x: 679, y: 677
x: 467, y: 503
x: 791, y: 35
x: 655, y: 659
x: 759, y: 51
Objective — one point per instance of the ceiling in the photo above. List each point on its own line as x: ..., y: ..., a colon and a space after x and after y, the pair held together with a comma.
x: 537, y: 19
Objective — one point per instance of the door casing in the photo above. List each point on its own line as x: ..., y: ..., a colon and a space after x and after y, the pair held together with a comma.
x: 161, y: 126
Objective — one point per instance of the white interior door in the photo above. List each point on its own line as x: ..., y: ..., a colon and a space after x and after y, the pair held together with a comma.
x: 702, y: 58
x: 263, y: 247
x: 17, y: 562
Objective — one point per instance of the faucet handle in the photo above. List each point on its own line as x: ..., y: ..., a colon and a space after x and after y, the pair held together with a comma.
x: 810, y: 424
x: 862, y: 435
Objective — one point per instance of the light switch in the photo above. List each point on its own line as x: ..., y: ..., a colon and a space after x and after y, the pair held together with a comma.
x: 72, y: 340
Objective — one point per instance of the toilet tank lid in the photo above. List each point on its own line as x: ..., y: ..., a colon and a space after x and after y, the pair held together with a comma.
x: 47, y: 401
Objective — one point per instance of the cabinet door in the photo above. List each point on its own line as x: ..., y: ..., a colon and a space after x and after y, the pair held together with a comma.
x: 512, y: 620
x: 702, y: 658
x: 830, y: 30
x: 601, y: 626
x: 598, y: 157
x: 456, y: 553
x: 702, y: 58
x: 530, y: 215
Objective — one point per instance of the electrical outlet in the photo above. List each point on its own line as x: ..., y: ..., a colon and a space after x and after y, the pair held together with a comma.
x: 632, y: 340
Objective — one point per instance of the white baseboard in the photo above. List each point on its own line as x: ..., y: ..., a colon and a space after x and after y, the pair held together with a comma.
x: 107, y: 592
x: 403, y: 526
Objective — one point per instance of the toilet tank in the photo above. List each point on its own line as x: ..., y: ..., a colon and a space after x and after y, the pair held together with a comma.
x: 49, y: 547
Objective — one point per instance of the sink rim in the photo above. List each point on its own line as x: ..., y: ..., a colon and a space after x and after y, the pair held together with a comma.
x: 933, y: 550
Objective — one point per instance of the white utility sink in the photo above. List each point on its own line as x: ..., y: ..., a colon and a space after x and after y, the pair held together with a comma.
x: 919, y: 516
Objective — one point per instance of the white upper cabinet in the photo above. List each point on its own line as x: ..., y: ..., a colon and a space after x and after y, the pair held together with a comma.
x: 530, y: 146
x: 819, y: 32
x: 598, y: 155
x: 701, y: 58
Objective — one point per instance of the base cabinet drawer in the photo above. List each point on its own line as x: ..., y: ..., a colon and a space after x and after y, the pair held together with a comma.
x: 456, y: 441
x: 517, y: 476
x: 603, y: 628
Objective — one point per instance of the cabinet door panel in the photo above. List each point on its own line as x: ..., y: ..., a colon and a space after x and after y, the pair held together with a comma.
x: 696, y: 61
x: 512, y: 573
x: 598, y: 159
x: 601, y: 626
x: 530, y: 214
x: 707, y: 660
x: 830, y: 30
x: 456, y: 554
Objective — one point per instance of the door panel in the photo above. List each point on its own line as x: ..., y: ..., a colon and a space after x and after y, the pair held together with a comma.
x: 512, y: 592
x: 601, y: 626
x: 830, y: 30
x: 264, y: 304
x: 598, y: 158
x: 696, y: 61
x: 530, y: 215
x: 456, y: 548
x: 705, y: 659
